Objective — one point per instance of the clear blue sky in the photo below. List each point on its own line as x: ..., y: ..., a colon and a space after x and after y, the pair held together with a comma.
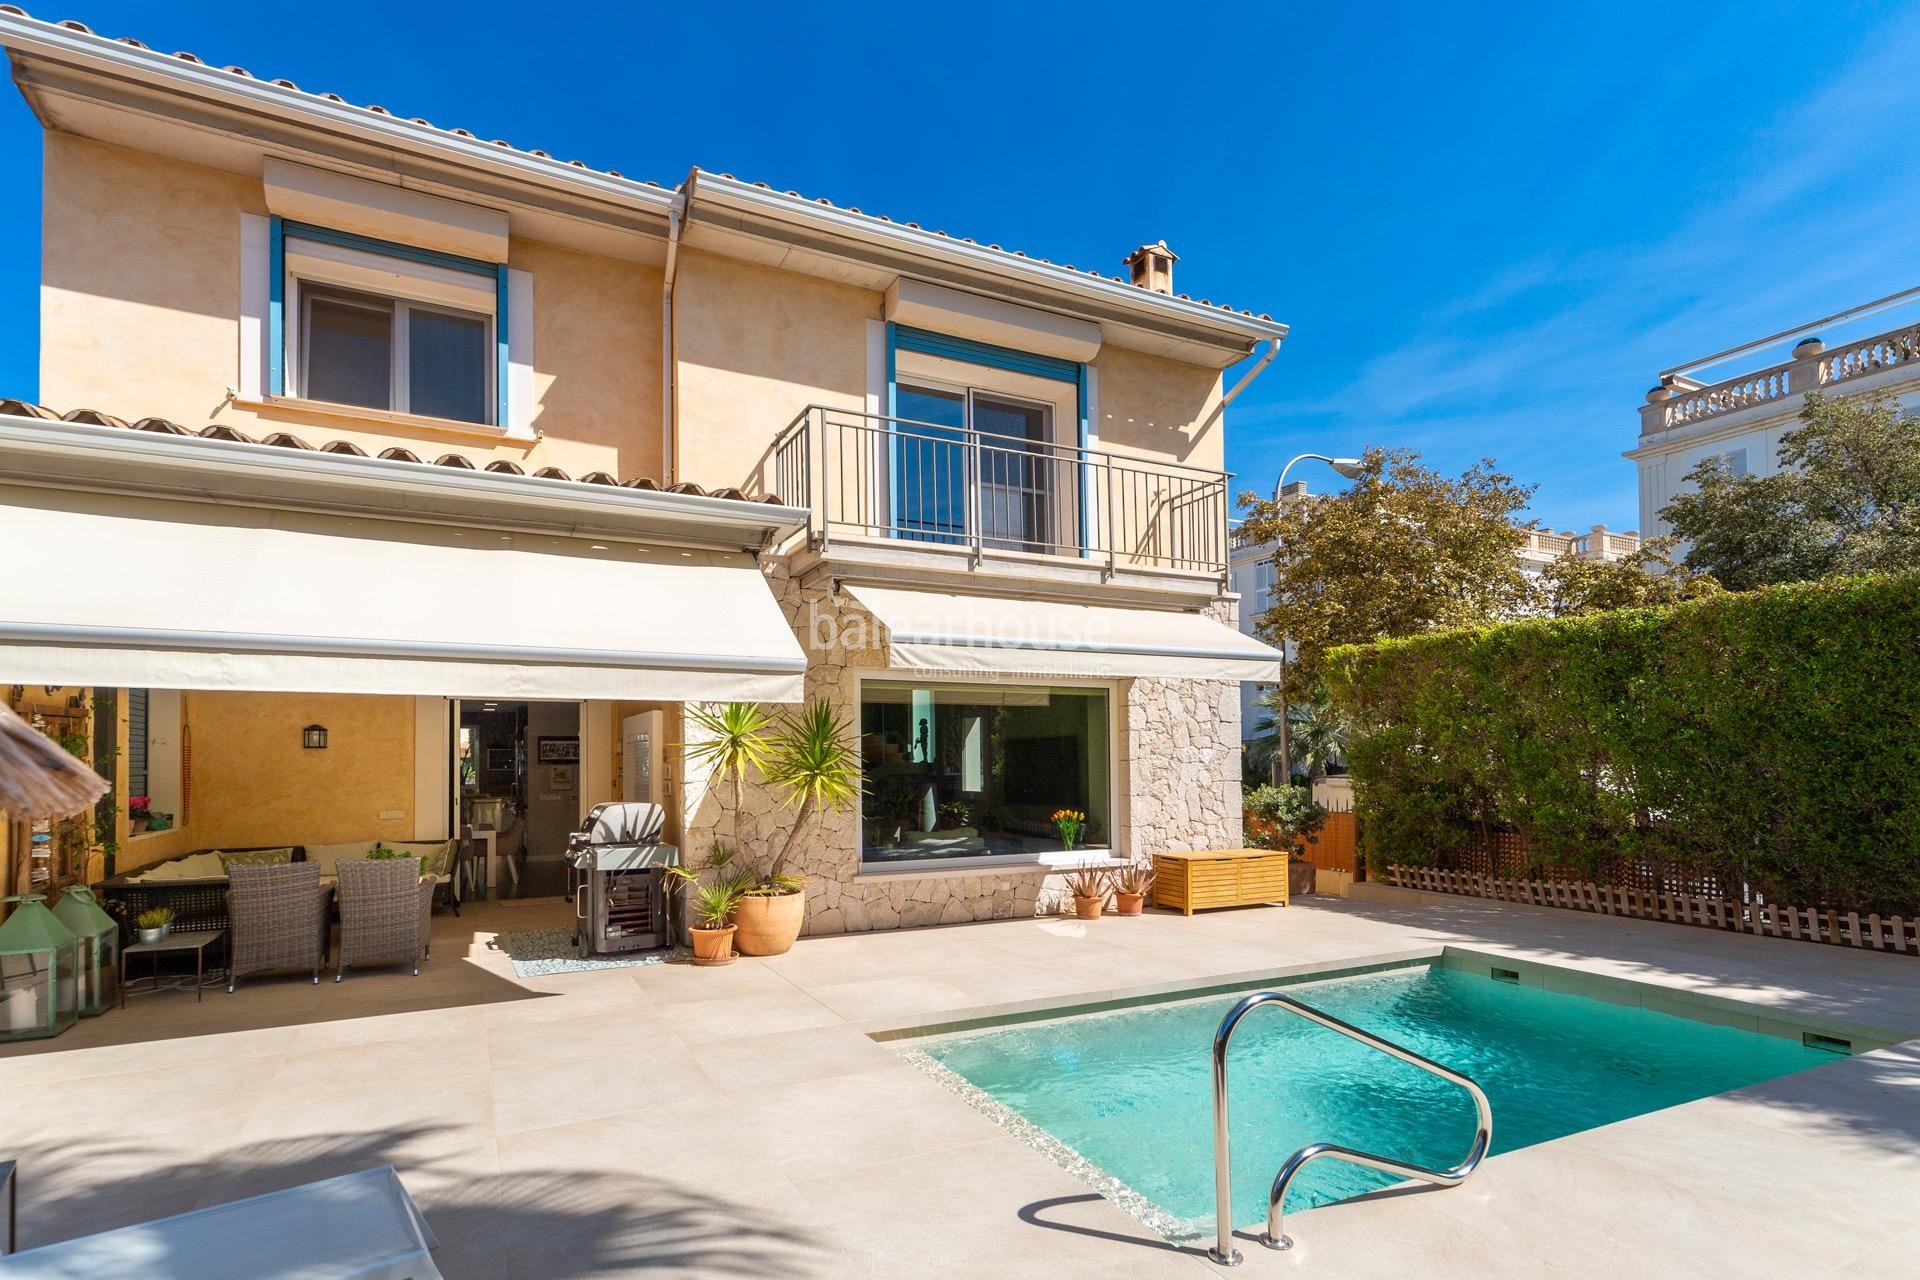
x: 1489, y: 225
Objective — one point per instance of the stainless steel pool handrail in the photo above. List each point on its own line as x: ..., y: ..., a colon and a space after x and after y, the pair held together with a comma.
x: 1223, y: 1251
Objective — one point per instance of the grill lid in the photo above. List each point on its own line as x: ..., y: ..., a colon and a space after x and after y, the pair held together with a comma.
x: 623, y: 823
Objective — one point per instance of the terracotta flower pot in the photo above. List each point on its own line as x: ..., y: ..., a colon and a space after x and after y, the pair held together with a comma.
x: 1088, y: 908
x: 713, y: 946
x: 1129, y: 904
x: 769, y: 924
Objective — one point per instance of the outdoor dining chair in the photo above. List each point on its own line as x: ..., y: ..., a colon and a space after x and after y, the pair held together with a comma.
x: 277, y: 919
x: 385, y: 907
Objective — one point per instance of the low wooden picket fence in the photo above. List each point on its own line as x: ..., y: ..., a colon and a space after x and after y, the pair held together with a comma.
x: 1846, y: 929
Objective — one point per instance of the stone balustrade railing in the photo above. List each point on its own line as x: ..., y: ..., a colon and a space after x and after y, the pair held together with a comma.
x: 1678, y: 402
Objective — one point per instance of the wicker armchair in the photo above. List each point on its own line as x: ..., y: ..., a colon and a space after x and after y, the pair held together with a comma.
x: 277, y: 919
x: 384, y: 911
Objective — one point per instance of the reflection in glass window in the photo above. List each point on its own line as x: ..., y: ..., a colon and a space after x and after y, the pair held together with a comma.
x: 955, y: 771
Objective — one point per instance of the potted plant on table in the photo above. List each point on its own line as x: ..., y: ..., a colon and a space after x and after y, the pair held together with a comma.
x: 155, y: 924
x: 1131, y: 885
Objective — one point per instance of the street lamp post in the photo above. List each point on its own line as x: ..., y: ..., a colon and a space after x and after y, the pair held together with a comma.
x: 1352, y: 469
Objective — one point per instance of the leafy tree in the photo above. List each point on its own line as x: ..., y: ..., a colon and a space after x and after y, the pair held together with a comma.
x: 1648, y: 576
x: 1405, y: 550
x: 1845, y: 501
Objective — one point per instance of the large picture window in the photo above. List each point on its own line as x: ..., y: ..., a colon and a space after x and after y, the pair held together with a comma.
x: 961, y: 771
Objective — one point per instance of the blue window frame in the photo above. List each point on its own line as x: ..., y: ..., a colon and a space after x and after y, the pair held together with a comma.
x: 929, y: 461
x: 277, y: 302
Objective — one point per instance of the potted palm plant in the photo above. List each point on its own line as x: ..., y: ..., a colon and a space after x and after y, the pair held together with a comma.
x: 712, y: 929
x: 1131, y: 884
x: 809, y: 760
x: 711, y: 899
x: 812, y: 764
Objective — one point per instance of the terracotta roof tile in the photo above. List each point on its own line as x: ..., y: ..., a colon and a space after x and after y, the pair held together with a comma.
x: 15, y: 408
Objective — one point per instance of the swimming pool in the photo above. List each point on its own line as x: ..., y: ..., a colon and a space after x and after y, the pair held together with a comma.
x: 1131, y: 1092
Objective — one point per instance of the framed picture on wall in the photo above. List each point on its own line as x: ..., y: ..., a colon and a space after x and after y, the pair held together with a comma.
x: 557, y: 750
x: 561, y: 779
x: 499, y: 759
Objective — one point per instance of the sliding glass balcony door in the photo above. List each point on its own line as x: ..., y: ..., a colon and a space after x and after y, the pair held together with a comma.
x: 948, y: 441
x: 930, y: 464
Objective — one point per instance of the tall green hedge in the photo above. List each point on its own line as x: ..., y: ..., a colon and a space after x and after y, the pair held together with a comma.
x: 1771, y: 738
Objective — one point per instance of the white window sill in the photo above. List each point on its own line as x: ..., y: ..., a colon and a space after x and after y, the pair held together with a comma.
x: 137, y: 836
x: 1043, y: 864
x: 383, y: 417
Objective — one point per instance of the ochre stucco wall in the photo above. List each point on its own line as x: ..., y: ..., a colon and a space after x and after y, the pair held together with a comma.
x: 140, y: 305
x: 254, y: 784
x: 755, y: 346
x: 1150, y: 407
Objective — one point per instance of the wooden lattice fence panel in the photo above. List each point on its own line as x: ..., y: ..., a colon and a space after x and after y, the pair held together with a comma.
x: 1872, y: 932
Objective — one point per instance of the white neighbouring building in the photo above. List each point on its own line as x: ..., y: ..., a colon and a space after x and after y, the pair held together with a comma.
x: 1740, y: 419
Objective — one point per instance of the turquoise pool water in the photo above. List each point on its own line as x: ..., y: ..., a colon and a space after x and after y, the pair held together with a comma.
x: 1132, y: 1093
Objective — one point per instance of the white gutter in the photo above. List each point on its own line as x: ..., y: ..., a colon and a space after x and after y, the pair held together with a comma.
x: 669, y: 375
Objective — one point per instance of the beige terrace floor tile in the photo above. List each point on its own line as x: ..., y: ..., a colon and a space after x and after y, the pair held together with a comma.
x: 673, y: 1121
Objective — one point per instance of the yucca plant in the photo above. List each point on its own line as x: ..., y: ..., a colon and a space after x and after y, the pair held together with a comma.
x: 814, y: 765
x: 735, y: 743
x: 1134, y: 878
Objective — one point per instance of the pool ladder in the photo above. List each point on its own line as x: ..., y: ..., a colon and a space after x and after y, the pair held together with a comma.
x: 1223, y: 1251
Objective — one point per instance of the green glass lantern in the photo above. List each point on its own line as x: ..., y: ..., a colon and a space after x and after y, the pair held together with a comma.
x: 99, y: 935
x: 39, y: 972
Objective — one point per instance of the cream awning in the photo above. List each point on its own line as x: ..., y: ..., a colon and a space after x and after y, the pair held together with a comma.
x: 934, y: 631
x: 105, y: 589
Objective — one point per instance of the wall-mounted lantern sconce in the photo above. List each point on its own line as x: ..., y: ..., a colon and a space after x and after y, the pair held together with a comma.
x: 314, y: 736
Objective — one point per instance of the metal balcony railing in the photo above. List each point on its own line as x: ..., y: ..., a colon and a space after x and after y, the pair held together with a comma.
x: 866, y: 476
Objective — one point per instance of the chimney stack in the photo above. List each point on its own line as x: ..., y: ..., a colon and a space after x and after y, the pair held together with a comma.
x: 1151, y: 266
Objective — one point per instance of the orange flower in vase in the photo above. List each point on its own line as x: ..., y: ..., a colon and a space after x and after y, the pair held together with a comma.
x: 1070, y: 823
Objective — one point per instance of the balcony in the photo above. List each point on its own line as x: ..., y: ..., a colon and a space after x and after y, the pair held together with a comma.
x: 1682, y: 402
x: 981, y: 497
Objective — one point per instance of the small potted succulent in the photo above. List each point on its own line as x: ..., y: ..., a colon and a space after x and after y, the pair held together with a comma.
x: 155, y: 924
x: 139, y: 813
x: 1131, y: 885
x: 1089, y: 888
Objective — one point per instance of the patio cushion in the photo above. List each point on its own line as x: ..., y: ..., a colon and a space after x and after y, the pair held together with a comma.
x: 257, y: 857
x: 436, y: 856
x: 327, y: 855
x: 205, y: 865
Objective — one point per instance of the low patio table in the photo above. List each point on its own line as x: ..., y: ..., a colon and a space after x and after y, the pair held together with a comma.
x: 196, y: 941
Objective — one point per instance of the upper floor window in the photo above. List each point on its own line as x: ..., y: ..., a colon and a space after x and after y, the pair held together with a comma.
x: 388, y: 327
x: 390, y: 353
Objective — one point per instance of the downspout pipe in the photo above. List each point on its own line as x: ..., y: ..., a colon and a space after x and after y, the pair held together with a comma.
x: 669, y: 380
x: 1246, y: 379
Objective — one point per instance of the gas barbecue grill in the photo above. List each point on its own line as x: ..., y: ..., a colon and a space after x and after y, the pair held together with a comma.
x: 617, y: 878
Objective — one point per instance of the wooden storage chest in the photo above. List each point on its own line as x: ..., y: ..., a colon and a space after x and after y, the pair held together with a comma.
x: 1219, y: 878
